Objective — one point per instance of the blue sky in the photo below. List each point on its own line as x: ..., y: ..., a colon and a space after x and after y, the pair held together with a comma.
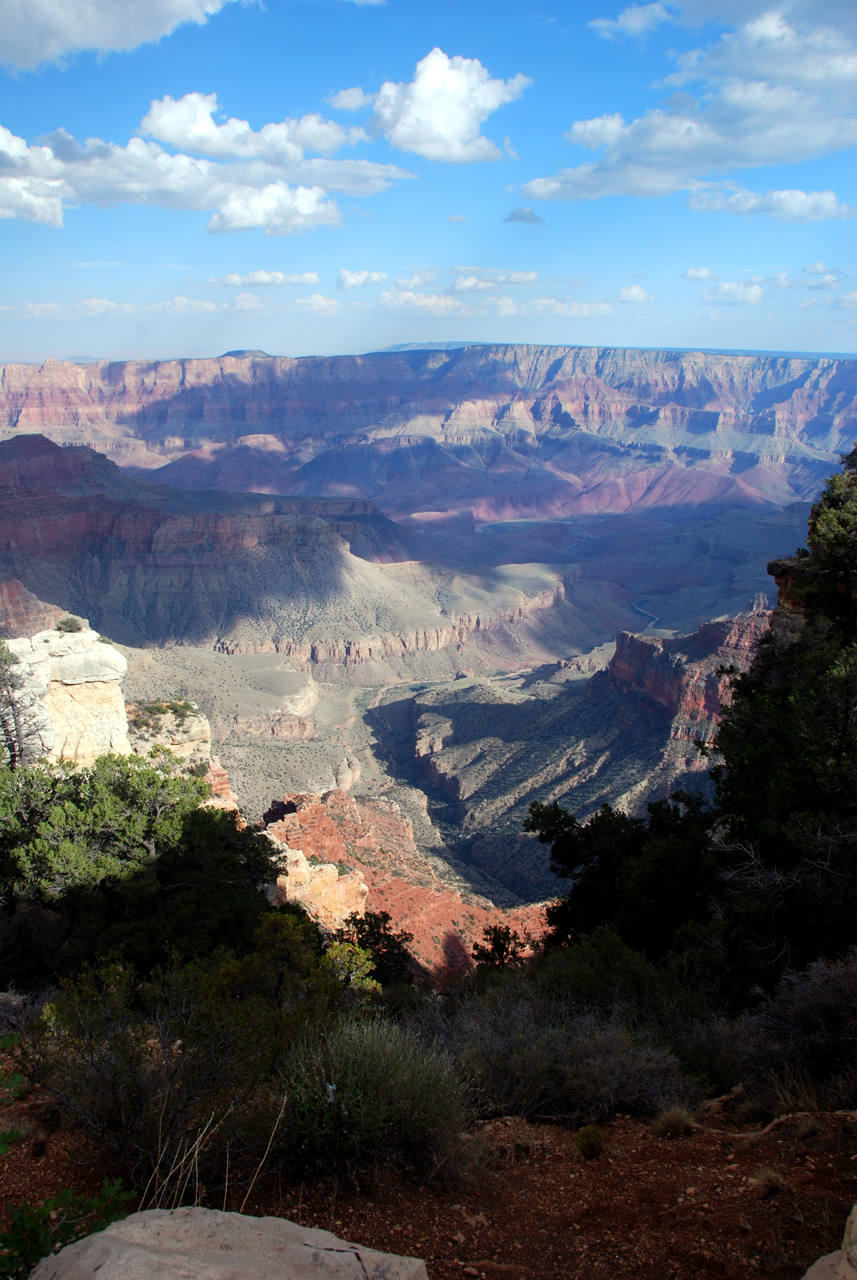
x: 184, y: 177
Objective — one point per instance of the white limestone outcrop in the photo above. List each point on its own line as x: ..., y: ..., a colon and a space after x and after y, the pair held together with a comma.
x: 65, y: 698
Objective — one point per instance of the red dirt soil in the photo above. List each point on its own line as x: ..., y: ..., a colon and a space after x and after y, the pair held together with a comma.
x: 648, y: 1208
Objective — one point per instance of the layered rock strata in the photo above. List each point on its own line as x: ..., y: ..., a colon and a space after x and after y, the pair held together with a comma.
x: 154, y: 566
x: 498, y: 431
x: 65, y: 699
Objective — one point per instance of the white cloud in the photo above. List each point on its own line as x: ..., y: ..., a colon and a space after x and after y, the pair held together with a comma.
x: 438, y: 304
x: 37, y: 182
x: 248, y: 302
x: 351, y: 100
x: 356, y: 279
x: 439, y: 114
x: 188, y: 123
x: 417, y: 280
x: 848, y: 299
x: 86, y: 308
x: 784, y: 206
x: 636, y: 20
x: 777, y: 90
x: 563, y: 307
x: 698, y: 273
x: 818, y: 269
x: 45, y: 30
x: 234, y: 280
x: 633, y: 293
x: 319, y: 303
x: 734, y: 293
x: 278, y: 208
x: 457, y: 217
x: 482, y: 283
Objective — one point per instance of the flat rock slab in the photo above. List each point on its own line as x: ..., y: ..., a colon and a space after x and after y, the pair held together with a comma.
x: 204, y: 1244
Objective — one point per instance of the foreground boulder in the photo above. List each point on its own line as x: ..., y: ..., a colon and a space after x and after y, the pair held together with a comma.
x: 841, y: 1265
x: 210, y: 1245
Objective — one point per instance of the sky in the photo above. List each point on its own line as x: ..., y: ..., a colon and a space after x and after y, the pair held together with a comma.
x: 188, y: 177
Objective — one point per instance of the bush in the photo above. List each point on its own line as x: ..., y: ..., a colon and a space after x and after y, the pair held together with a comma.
x: 366, y: 1092
x: 590, y: 1141
x: 35, y: 1231
x: 528, y: 1055
x: 69, y: 624
x: 808, y: 1025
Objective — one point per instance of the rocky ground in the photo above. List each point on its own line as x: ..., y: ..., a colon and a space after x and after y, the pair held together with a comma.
x: 726, y: 1202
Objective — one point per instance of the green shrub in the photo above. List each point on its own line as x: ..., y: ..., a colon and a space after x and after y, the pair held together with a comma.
x: 366, y: 1092
x: 69, y: 624
x: 590, y: 1141
x: 36, y: 1231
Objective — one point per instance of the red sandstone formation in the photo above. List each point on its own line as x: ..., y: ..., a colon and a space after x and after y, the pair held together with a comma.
x: 374, y: 838
x: 679, y: 677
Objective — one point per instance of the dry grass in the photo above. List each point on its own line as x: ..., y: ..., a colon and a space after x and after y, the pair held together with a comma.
x: 766, y: 1182
x: 673, y: 1122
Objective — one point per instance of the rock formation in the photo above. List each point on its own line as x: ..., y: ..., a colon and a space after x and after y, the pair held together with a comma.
x: 178, y: 725
x: 485, y: 749
x: 245, y: 574
x: 162, y: 1244
x: 498, y: 430
x: 330, y: 892
x: 841, y: 1265
x: 423, y: 895
x: 65, y: 700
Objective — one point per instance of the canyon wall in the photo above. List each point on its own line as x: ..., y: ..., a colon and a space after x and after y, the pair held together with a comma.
x: 375, y: 840
x: 246, y: 574
x: 494, y: 431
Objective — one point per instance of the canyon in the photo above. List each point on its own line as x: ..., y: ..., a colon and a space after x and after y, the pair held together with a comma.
x: 413, y: 591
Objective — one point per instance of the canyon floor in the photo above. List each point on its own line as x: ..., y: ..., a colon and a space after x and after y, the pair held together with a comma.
x: 726, y: 1202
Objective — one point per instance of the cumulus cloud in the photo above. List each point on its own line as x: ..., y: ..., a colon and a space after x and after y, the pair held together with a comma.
x: 235, y: 280
x: 849, y: 299
x: 636, y: 20
x: 524, y: 214
x: 439, y: 114
x: 633, y: 293
x: 46, y: 30
x: 38, y: 181
x: 277, y: 208
x: 734, y: 293
x: 698, y: 273
x: 777, y: 90
x: 351, y: 100
x: 357, y: 279
x: 188, y: 123
x: 818, y: 269
x: 457, y: 217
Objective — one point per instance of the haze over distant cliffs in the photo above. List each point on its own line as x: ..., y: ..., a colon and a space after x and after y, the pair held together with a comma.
x: 487, y: 433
